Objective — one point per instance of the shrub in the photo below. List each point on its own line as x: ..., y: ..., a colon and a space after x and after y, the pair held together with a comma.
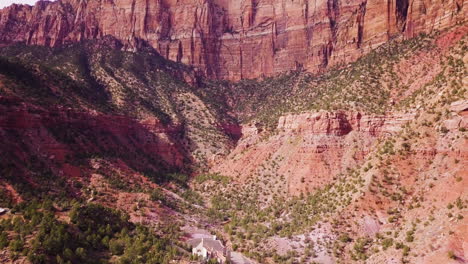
x: 99, y: 219
x: 345, y: 238
x: 16, y: 245
x: 3, y: 239
x: 116, y: 247
x: 386, y: 243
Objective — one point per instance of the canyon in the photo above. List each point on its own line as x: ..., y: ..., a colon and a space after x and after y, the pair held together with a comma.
x: 298, y: 131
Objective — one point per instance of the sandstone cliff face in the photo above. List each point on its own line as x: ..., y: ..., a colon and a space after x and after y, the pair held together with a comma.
x: 311, y: 148
x: 341, y: 123
x: 233, y: 39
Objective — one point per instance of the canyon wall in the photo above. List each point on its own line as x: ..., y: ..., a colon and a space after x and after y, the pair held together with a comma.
x: 310, y: 148
x: 63, y: 140
x: 233, y: 39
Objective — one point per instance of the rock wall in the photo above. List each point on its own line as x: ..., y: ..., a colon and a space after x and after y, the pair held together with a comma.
x: 341, y: 123
x: 310, y: 148
x: 234, y: 39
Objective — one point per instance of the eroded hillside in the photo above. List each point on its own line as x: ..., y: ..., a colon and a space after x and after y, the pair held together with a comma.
x: 90, y: 127
x: 364, y: 163
x: 384, y: 186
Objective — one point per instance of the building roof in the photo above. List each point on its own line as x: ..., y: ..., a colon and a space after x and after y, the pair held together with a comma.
x: 208, y: 243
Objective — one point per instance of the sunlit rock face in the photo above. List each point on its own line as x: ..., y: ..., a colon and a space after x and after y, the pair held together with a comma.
x: 312, y: 147
x: 233, y: 39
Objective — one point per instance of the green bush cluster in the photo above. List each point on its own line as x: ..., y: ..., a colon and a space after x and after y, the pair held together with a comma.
x: 94, y: 235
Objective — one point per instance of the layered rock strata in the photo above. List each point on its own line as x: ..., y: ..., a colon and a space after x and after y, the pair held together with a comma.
x: 234, y: 39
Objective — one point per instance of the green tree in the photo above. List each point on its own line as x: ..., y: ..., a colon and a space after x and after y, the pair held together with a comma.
x: 116, y: 247
x: 16, y: 245
x: 80, y: 253
x: 3, y: 239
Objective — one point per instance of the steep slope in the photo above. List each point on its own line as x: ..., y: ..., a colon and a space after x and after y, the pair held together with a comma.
x: 344, y: 186
x: 365, y: 162
x: 303, y: 128
x: 90, y: 101
x: 234, y: 39
x: 88, y: 127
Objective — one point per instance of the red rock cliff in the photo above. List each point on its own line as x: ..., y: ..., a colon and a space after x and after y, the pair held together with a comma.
x: 60, y: 136
x: 310, y: 148
x: 234, y: 39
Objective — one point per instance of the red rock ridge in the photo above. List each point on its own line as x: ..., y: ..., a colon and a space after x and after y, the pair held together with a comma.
x: 234, y: 39
x: 341, y: 123
x: 311, y: 148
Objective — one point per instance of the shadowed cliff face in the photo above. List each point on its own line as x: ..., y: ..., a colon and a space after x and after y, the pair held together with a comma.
x: 402, y: 13
x: 65, y: 108
x: 44, y: 143
x: 233, y: 39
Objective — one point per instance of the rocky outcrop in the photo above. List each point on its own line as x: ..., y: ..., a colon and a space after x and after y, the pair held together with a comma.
x: 233, y: 39
x: 310, y: 148
x: 341, y: 123
x: 459, y: 118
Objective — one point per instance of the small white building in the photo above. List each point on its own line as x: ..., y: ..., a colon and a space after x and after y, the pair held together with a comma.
x: 210, y: 248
